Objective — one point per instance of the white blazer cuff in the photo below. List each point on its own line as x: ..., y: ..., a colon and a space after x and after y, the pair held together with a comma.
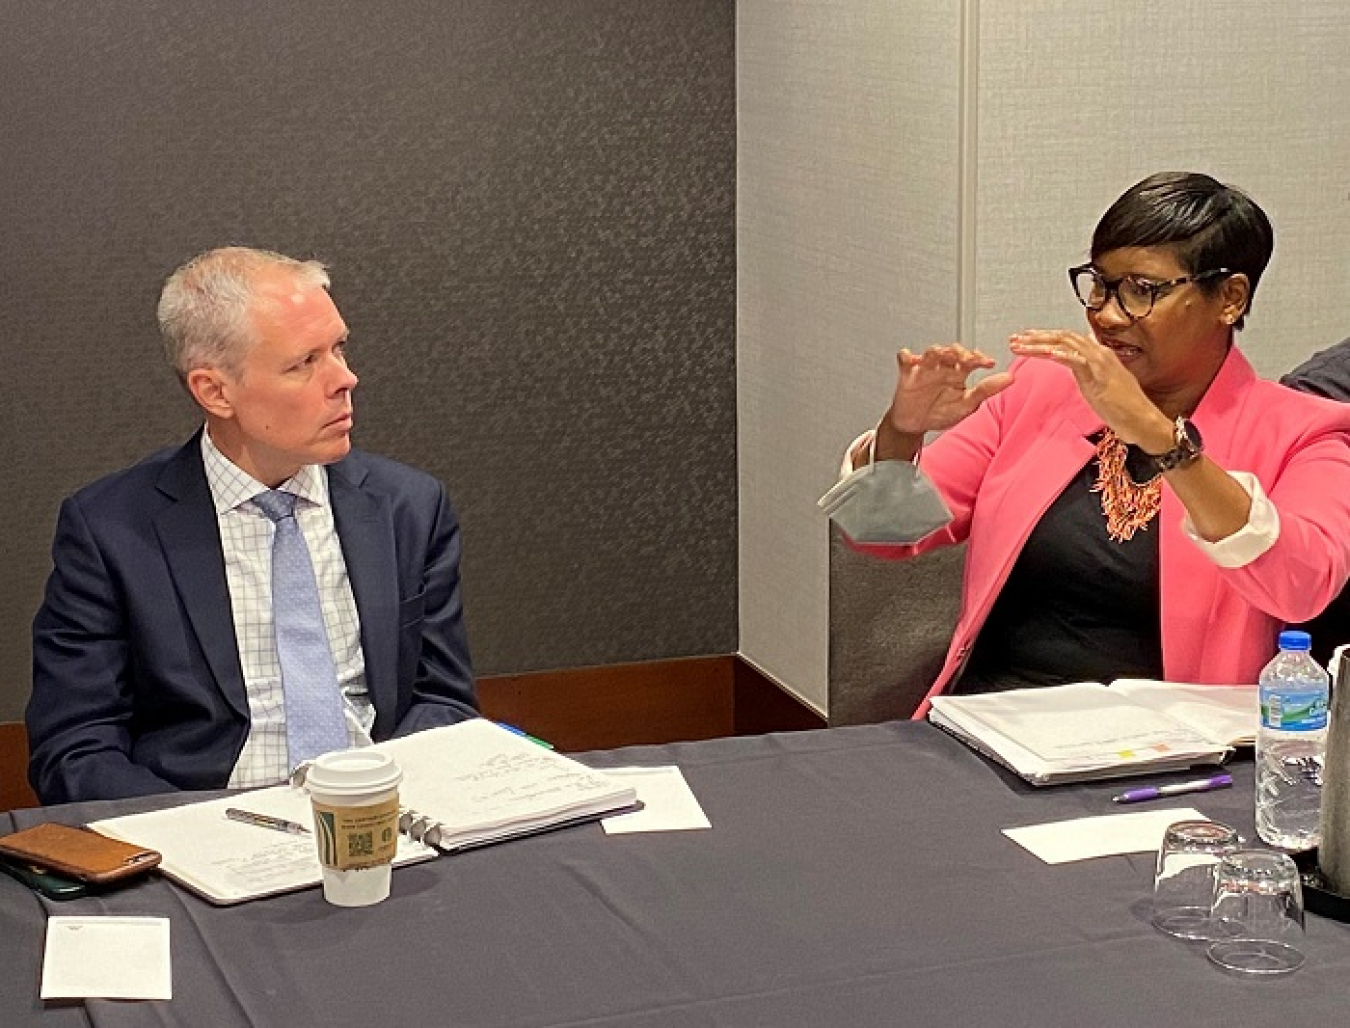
x: 1251, y: 540
x: 867, y: 441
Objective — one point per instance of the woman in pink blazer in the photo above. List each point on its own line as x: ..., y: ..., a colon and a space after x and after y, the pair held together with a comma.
x: 1136, y: 502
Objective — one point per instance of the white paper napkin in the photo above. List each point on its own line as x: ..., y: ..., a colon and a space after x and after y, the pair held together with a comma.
x: 107, y: 958
x: 1060, y: 842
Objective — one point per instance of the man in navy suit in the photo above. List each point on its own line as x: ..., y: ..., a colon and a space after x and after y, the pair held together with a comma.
x: 155, y: 663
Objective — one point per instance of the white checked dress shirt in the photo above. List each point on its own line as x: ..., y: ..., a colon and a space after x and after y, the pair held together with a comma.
x: 246, y: 537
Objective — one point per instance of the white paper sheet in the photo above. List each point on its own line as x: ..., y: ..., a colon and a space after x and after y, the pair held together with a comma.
x: 1060, y: 842
x: 668, y: 804
x: 107, y: 958
x: 1223, y: 713
x: 1082, y: 724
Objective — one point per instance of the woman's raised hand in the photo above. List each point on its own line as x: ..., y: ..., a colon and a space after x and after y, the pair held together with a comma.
x: 933, y: 391
x: 1104, y: 381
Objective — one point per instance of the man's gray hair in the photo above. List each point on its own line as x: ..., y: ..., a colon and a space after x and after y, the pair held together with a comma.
x: 204, y: 306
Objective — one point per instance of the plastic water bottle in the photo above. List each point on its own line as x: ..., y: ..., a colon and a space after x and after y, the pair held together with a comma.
x: 1291, y: 741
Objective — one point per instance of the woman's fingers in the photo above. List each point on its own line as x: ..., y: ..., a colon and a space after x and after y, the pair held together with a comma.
x: 934, y: 392
x: 949, y: 356
x: 1078, y: 353
x: 988, y: 386
x: 1052, y: 344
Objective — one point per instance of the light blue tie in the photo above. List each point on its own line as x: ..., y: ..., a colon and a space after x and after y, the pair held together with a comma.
x: 314, y: 718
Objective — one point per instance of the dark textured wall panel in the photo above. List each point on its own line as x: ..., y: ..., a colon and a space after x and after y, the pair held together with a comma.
x: 528, y: 208
x: 891, y: 623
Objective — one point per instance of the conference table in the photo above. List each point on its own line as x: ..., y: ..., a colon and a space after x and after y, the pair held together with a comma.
x: 852, y: 877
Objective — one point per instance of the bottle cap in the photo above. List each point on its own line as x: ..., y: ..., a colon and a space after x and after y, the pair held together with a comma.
x: 1290, y: 639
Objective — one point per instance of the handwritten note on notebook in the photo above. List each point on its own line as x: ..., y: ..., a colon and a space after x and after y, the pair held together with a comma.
x: 227, y: 861
x: 466, y: 784
x: 477, y: 783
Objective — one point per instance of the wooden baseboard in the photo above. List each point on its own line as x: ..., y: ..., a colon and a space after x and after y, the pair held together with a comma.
x: 14, y: 790
x: 599, y: 708
x: 594, y: 708
x: 763, y: 706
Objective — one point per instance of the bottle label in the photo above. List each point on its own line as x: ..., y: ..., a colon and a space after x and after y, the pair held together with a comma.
x: 1304, y: 713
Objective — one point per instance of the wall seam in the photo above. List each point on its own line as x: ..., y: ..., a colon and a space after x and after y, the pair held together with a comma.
x: 968, y: 161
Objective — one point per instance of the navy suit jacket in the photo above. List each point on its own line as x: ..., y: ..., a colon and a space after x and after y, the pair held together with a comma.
x: 137, y: 685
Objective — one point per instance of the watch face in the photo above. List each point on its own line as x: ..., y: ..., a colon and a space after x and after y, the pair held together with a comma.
x: 1187, y: 449
x: 1140, y: 466
x: 1192, y: 433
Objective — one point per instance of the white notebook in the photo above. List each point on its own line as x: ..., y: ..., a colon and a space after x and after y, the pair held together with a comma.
x: 464, y: 785
x: 1088, y: 730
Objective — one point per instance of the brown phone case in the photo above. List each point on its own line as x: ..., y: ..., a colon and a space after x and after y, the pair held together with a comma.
x: 79, y: 853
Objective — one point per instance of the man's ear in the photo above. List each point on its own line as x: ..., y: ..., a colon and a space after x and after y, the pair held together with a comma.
x: 209, y: 387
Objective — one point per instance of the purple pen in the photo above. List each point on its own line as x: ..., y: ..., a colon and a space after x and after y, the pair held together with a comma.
x: 1155, y: 792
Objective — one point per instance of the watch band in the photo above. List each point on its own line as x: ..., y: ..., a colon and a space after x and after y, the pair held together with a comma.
x: 1186, y: 449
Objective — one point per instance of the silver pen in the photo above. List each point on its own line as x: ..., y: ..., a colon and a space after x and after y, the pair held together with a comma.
x: 266, y: 821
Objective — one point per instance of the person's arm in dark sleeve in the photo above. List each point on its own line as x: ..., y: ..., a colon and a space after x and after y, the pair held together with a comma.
x: 443, y: 690
x: 79, y: 715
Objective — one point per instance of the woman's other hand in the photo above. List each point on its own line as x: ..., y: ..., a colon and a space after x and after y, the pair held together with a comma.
x: 1105, y: 383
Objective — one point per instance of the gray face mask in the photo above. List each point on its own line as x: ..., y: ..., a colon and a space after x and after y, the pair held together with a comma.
x: 886, y: 502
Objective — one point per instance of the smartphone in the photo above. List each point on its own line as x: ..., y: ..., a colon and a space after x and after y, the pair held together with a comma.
x: 78, y: 853
x: 48, y: 883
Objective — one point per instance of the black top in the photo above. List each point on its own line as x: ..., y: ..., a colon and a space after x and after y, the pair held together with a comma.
x: 1077, y: 606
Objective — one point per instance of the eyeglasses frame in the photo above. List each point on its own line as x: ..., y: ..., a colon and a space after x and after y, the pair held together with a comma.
x: 1156, y: 290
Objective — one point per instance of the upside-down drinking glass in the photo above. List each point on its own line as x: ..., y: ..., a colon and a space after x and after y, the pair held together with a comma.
x: 1256, y: 919
x: 1183, y: 886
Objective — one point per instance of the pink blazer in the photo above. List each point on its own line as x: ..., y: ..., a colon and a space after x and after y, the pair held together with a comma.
x: 1001, y: 468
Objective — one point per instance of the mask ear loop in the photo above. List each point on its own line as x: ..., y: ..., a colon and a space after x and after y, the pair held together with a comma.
x: 872, y: 449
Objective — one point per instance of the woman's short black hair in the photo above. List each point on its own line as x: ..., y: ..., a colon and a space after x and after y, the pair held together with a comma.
x: 1207, y: 224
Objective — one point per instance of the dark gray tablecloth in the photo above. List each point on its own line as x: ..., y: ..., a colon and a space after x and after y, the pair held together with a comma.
x: 852, y: 877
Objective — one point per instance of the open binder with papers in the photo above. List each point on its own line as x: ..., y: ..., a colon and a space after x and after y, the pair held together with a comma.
x: 464, y: 785
x: 1086, y: 730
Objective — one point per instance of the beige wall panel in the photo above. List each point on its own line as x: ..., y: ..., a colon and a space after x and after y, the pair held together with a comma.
x: 848, y: 186
x: 1078, y: 101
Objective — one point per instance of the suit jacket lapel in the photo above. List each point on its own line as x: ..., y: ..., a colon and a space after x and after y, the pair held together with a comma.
x: 190, y: 536
x: 366, y: 531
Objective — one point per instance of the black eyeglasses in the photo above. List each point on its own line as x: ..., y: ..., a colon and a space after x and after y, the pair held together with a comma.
x: 1135, y: 295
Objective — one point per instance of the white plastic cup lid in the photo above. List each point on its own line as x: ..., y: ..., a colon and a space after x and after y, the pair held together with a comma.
x: 353, y: 773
